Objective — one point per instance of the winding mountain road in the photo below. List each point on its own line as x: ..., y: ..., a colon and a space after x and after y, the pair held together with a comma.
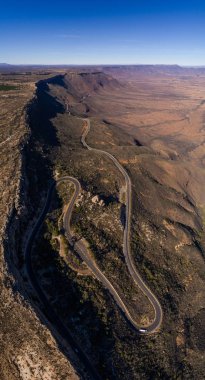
x: 49, y: 312
x: 155, y: 325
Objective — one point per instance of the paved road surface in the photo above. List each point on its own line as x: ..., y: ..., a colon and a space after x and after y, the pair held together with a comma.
x: 50, y: 314
x: 48, y: 310
x: 126, y: 240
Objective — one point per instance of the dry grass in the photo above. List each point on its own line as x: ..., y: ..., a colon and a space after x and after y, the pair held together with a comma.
x: 27, y: 349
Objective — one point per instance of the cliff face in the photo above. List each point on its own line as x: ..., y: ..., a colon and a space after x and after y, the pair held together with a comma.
x: 160, y: 143
x: 27, y: 348
x: 150, y: 140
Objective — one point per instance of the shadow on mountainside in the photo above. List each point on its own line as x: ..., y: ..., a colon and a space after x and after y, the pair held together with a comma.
x: 37, y: 174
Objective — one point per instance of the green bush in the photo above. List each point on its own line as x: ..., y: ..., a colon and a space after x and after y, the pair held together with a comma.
x: 7, y: 87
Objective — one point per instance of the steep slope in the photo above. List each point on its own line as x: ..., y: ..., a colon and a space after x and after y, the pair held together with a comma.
x: 27, y: 348
x: 167, y: 230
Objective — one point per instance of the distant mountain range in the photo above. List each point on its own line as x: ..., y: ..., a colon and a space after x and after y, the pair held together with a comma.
x: 4, y: 64
x: 124, y: 71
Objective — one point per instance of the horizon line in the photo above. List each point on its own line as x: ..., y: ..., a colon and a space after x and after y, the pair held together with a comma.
x: 101, y: 64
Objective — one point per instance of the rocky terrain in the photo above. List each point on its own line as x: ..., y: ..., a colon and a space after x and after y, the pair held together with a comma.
x: 152, y: 120
x: 27, y: 348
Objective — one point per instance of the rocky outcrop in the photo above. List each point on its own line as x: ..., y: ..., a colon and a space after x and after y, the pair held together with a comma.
x: 27, y: 348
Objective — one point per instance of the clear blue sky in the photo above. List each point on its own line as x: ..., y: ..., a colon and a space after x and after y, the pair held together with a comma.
x: 108, y: 31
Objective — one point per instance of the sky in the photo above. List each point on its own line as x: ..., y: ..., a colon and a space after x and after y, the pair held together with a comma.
x: 102, y: 32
